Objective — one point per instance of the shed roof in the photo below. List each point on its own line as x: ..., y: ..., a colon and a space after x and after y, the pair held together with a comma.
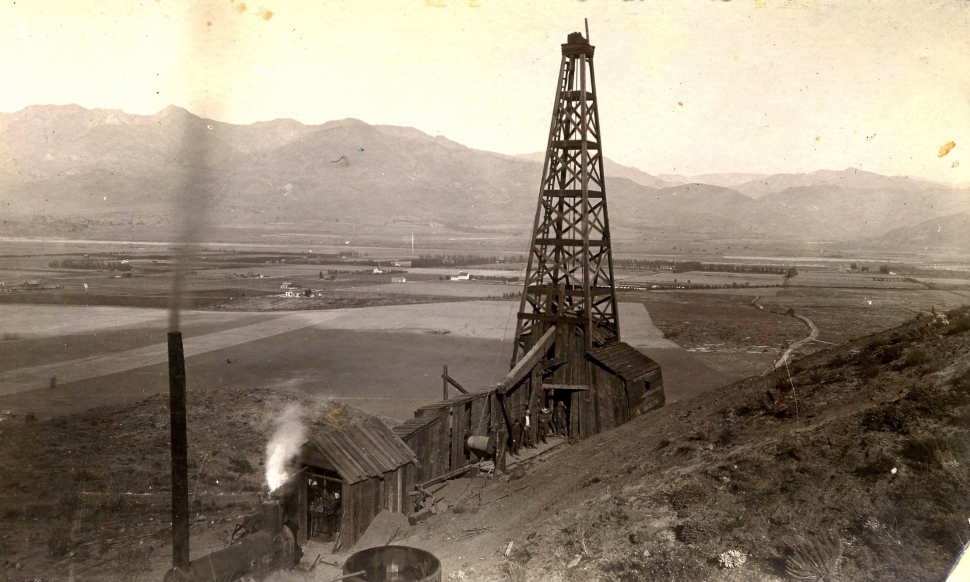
x: 413, y: 425
x: 441, y: 407
x: 624, y: 360
x: 358, y: 451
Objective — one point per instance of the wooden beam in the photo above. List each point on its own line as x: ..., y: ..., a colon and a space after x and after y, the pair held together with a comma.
x: 449, y: 380
x: 555, y: 317
x: 571, y: 242
x: 570, y: 193
x: 446, y: 476
x: 573, y: 387
x: 535, y: 395
x: 546, y: 366
x: 444, y: 383
x: 505, y: 411
x: 575, y: 144
x: 544, y: 289
x: 528, y: 361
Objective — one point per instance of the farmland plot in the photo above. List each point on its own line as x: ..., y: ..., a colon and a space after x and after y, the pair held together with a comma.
x: 699, y: 278
x: 853, y: 280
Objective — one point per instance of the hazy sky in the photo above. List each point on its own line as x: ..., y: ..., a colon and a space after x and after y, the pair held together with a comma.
x: 689, y: 86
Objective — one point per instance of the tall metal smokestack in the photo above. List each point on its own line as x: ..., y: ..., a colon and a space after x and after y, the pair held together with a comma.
x: 180, y: 454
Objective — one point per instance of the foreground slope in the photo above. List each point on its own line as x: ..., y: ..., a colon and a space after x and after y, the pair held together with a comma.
x: 864, y: 465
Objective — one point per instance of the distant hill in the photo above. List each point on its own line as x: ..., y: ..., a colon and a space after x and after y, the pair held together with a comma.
x: 726, y: 180
x: 67, y: 163
x: 946, y: 232
x: 850, y: 178
x: 842, y: 212
x: 71, y: 161
x: 696, y: 208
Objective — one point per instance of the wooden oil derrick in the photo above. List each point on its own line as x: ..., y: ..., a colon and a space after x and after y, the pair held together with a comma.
x: 567, y: 349
x: 567, y: 355
x: 569, y: 278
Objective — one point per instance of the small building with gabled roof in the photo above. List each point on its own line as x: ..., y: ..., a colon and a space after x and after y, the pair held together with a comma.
x: 630, y: 382
x: 346, y: 478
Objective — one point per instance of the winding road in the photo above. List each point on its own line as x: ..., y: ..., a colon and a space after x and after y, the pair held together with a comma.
x: 784, y: 357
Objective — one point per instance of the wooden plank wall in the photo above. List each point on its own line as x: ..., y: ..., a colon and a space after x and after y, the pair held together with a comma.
x: 607, y: 403
x: 576, y: 426
x: 653, y: 398
x: 573, y: 350
x: 646, y: 393
x: 621, y: 402
x: 362, y: 501
x: 440, y: 447
x: 603, y: 388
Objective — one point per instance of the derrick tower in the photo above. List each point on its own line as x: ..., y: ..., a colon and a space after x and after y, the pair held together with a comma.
x: 569, y: 278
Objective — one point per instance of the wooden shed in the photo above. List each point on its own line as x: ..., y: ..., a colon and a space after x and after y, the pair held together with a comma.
x: 347, y: 477
x: 628, y: 383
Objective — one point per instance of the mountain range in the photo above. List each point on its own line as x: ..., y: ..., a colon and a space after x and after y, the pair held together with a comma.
x: 68, y: 162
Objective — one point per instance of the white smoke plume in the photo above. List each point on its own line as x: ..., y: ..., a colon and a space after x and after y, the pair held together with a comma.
x: 284, y: 445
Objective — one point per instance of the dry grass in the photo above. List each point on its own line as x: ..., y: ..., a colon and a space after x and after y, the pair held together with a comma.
x: 516, y: 572
x: 132, y: 561
x: 816, y: 557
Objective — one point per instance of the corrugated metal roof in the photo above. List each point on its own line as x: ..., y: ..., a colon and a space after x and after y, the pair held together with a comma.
x: 358, y: 451
x: 624, y: 360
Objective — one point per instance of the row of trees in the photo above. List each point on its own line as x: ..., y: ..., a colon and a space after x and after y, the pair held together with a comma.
x: 687, y: 266
x: 89, y: 264
x: 459, y: 260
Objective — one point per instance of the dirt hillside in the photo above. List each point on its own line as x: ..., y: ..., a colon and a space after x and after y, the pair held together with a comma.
x: 859, y: 472
x: 862, y: 472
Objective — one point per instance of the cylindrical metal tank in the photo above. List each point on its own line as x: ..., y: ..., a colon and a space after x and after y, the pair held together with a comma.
x: 481, y: 446
x: 393, y: 564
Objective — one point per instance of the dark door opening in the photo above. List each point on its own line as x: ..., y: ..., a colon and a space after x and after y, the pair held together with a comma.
x: 561, y: 404
x: 324, y: 508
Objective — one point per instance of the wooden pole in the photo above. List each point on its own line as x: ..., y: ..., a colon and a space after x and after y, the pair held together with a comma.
x: 180, y: 455
x: 584, y: 185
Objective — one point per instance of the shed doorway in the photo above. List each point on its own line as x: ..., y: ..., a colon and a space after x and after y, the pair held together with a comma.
x: 562, y: 398
x: 324, y: 507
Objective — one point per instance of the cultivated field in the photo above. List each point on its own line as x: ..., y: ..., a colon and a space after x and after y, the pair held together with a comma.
x: 699, y: 278
x: 465, y: 289
x: 835, y: 279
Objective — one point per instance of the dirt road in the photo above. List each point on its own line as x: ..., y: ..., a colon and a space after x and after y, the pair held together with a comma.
x: 814, y: 334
